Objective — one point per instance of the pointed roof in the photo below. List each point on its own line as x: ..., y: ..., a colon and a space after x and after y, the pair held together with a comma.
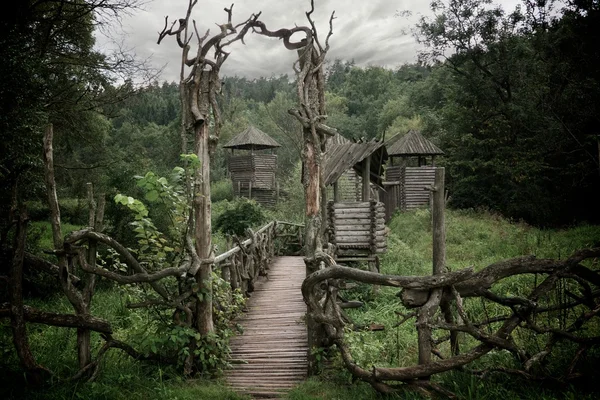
x: 411, y: 144
x: 252, y: 138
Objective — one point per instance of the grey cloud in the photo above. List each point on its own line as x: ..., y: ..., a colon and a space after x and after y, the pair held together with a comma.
x: 367, y: 31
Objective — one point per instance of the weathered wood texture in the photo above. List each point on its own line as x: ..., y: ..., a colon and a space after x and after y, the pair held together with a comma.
x: 270, y: 357
x: 407, y: 188
x: 349, y: 187
x: 242, y: 265
x: 253, y: 176
x: 357, y: 228
x: 343, y: 155
x: 258, y: 169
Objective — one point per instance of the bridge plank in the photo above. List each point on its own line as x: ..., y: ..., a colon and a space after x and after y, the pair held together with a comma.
x: 270, y: 356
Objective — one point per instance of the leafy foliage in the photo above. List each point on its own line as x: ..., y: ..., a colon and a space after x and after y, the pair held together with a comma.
x: 503, y: 97
x: 239, y: 216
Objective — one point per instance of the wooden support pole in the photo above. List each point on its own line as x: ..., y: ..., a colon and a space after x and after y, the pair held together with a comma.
x: 366, y: 172
x: 336, y: 192
x: 439, y: 223
x: 427, y: 311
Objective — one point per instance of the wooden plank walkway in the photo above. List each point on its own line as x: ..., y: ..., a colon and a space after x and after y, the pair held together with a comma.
x: 270, y: 356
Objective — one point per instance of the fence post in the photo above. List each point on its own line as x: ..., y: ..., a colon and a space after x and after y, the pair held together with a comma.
x: 439, y: 223
x: 439, y: 259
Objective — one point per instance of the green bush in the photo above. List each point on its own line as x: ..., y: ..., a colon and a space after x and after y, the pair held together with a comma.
x: 221, y: 190
x: 291, y: 206
x: 239, y: 216
x: 72, y: 210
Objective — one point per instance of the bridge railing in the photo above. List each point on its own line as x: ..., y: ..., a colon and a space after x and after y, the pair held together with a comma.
x: 247, y: 260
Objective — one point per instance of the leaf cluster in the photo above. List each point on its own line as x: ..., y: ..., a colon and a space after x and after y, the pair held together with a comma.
x: 239, y: 216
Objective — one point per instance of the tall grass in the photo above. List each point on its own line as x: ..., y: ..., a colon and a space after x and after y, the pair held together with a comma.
x: 121, y: 376
x: 473, y: 239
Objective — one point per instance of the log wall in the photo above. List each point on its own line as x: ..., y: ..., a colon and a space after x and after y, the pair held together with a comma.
x: 257, y: 170
x: 357, y: 228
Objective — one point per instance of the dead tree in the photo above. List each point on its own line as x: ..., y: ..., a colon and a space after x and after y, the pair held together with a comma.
x: 198, y: 89
x: 312, y: 115
x: 79, y: 299
x: 35, y: 373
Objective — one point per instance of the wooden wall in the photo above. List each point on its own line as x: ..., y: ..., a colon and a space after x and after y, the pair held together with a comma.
x: 407, y: 188
x: 254, y: 176
x: 257, y: 169
x: 357, y: 228
x: 349, y: 187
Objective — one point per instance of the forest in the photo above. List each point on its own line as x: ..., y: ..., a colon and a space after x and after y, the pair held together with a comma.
x: 512, y: 97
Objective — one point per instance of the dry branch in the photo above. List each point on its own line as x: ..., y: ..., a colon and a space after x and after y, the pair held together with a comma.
x: 64, y: 320
x: 457, y: 284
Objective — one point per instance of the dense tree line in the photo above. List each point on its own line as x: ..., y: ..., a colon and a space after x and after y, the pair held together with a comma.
x: 510, y: 96
x: 517, y: 106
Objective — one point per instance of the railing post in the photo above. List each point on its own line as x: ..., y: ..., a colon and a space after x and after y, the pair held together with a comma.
x: 439, y: 257
x: 226, y: 272
x: 439, y: 223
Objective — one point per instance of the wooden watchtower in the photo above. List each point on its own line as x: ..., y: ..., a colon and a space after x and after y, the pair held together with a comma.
x: 253, y: 168
x: 355, y: 226
x: 408, y: 178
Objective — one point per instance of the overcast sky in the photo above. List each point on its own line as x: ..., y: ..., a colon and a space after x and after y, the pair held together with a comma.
x: 376, y: 32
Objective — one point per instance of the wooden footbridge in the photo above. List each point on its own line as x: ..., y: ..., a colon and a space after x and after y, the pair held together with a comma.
x: 270, y: 356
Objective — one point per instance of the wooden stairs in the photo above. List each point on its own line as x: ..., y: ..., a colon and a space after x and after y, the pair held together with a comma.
x: 269, y: 358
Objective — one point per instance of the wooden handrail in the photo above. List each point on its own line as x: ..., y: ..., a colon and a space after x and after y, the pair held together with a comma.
x: 245, y: 243
x: 251, y: 258
x: 224, y: 256
x: 290, y: 224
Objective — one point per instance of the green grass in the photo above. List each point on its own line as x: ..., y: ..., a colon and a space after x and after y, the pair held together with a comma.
x: 476, y: 239
x: 39, y: 235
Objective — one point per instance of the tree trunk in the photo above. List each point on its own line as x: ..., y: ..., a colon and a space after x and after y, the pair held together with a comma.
x: 74, y: 296
x: 203, y: 229
x: 33, y: 371
x: 439, y: 259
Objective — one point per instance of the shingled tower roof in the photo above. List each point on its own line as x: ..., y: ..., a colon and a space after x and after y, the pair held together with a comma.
x: 411, y: 144
x: 252, y: 139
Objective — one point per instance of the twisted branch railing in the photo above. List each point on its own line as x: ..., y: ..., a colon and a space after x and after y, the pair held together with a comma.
x: 523, y: 312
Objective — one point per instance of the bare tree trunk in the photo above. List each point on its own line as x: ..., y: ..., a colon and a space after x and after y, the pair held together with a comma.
x: 203, y: 231
x: 312, y: 196
x: 74, y: 296
x: 34, y: 373
x: 439, y: 260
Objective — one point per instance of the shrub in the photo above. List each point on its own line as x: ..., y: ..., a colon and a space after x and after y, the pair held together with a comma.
x: 72, y: 210
x: 240, y: 215
x: 221, y: 190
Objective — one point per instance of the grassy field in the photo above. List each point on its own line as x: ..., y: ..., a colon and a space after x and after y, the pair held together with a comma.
x: 473, y: 238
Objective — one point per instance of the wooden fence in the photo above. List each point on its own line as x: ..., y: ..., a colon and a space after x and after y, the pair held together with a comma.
x: 245, y: 262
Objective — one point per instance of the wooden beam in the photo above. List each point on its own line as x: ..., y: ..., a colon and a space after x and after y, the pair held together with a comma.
x: 366, y: 173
